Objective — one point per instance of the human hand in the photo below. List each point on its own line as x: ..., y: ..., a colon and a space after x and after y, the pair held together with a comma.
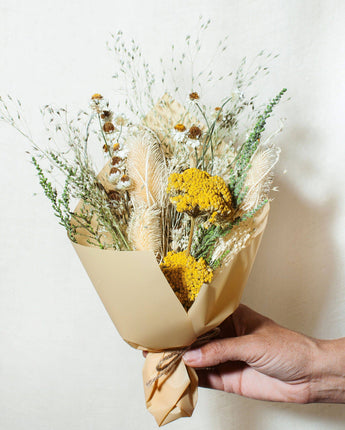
x: 257, y: 358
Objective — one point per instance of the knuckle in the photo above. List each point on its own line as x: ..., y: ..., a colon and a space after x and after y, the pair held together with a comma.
x: 213, y: 352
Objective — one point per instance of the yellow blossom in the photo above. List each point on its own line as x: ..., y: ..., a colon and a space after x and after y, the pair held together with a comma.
x: 217, y: 113
x: 195, y: 191
x: 185, y: 275
x: 97, y: 97
x: 180, y: 127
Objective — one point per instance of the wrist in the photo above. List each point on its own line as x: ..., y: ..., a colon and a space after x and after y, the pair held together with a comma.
x: 328, y: 378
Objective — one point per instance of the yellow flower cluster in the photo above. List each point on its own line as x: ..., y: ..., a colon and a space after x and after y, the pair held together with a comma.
x: 185, y: 275
x: 195, y: 191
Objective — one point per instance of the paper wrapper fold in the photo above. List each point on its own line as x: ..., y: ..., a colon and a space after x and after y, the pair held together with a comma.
x: 148, y: 315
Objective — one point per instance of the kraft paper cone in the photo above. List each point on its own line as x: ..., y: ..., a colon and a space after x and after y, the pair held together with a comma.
x: 149, y: 316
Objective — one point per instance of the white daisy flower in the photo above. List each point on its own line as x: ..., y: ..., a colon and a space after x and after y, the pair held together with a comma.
x: 193, y: 143
x: 179, y: 136
x: 123, y: 185
x: 122, y: 152
x: 115, y: 176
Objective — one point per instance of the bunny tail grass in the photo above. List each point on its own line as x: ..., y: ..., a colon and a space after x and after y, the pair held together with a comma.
x: 145, y: 230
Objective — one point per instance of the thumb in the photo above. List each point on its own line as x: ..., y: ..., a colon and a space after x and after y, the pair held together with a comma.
x: 221, y: 350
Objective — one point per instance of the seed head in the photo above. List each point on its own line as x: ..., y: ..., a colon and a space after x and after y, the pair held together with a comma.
x: 194, y: 96
x: 194, y: 132
x: 108, y: 127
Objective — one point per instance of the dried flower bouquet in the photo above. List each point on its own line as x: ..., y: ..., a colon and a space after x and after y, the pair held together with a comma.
x: 182, y: 185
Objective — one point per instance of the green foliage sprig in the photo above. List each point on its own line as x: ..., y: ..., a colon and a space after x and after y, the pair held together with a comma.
x: 241, y: 164
x: 60, y: 205
x: 207, y: 238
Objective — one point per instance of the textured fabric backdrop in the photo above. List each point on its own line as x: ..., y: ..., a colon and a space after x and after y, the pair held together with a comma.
x: 62, y: 363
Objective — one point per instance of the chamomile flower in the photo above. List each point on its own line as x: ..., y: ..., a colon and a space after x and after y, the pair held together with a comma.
x: 122, y: 152
x: 107, y: 115
x: 193, y: 143
x: 108, y: 127
x: 114, y: 175
x: 121, y: 121
x: 179, y: 136
x: 97, y: 103
x: 194, y: 132
x: 124, y: 183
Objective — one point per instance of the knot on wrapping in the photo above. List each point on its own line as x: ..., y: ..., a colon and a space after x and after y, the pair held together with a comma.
x: 168, y: 363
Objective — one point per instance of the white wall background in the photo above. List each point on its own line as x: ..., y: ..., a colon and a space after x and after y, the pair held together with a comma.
x: 62, y: 363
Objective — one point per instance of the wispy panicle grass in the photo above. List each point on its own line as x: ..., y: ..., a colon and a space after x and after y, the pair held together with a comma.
x: 133, y: 73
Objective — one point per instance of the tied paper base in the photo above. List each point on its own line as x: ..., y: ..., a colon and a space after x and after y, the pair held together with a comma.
x: 173, y: 395
x: 149, y: 316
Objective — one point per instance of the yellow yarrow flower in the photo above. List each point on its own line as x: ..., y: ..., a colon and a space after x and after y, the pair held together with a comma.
x: 185, y: 275
x: 195, y: 192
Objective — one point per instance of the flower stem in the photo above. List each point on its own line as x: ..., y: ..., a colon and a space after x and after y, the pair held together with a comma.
x: 192, y: 224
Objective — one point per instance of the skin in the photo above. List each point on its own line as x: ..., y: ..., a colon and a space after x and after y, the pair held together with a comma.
x: 256, y: 358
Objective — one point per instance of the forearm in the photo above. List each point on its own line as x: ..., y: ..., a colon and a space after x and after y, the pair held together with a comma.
x: 328, y: 382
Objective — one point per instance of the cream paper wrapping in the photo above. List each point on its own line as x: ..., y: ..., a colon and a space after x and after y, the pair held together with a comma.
x: 149, y: 316
x: 144, y: 308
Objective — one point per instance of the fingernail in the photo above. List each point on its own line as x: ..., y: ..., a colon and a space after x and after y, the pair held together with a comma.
x: 192, y: 357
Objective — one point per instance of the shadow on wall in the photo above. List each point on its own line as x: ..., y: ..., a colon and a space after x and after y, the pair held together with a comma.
x: 291, y: 281
x: 293, y: 274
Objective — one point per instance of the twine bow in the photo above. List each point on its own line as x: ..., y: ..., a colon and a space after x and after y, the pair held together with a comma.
x: 171, y: 360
